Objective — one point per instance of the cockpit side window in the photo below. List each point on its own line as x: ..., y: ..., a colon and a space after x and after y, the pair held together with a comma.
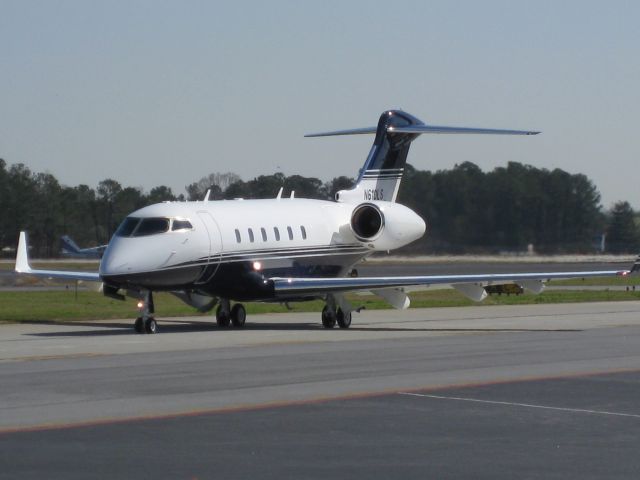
x: 127, y: 227
x: 151, y: 226
x: 181, y: 224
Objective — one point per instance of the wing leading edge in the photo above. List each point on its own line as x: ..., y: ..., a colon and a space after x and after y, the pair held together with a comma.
x: 23, y: 266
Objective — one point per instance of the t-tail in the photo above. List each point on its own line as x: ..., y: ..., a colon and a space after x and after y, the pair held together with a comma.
x: 380, y: 177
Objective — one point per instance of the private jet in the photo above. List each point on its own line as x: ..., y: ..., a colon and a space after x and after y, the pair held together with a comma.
x: 222, y: 253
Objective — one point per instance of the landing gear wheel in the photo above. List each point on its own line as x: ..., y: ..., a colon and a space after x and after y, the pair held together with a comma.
x: 150, y: 325
x: 343, y: 318
x: 328, y: 317
x: 238, y: 315
x: 222, y: 317
x: 139, y: 325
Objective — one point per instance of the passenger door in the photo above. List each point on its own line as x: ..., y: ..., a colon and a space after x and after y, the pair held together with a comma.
x: 215, y: 246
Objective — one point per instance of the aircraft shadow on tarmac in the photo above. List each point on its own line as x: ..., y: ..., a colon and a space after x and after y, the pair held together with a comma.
x: 185, y: 326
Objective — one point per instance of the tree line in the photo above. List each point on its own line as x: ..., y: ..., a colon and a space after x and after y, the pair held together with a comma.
x: 466, y: 209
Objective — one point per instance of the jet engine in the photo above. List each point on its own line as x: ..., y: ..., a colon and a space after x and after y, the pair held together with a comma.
x: 386, y: 225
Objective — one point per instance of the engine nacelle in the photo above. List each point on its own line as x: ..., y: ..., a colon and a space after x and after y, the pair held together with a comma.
x: 203, y: 303
x: 386, y: 225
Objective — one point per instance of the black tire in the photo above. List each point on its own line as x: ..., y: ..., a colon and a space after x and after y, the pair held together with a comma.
x: 222, y: 317
x: 328, y: 317
x: 238, y: 315
x: 150, y: 325
x: 139, y: 325
x: 343, y: 318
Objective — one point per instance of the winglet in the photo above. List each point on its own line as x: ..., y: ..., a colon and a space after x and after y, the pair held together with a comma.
x: 22, y: 256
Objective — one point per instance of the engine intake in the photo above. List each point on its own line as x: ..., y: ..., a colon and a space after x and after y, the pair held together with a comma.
x: 367, y: 221
x: 385, y: 225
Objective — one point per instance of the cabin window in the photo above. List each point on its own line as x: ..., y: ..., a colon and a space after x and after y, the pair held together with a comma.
x: 179, y: 224
x: 290, y: 231
x: 127, y: 227
x: 303, y: 231
x: 276, y: 232
x: 151, y: 226
x: 238, y: 238
x: 250, y: 235
x: 264, y: 234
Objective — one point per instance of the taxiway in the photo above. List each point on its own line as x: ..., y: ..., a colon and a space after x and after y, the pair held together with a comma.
x: 477, y: 392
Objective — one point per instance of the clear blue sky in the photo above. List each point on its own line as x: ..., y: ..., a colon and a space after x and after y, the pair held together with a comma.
x: 152, y: 92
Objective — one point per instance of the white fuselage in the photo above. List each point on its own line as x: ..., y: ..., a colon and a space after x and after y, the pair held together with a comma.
x: 233, y: 245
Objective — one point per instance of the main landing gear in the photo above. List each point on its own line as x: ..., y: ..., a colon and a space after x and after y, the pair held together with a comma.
x: 332, y: 315
x: 146, y: 323
x: 337, y: 310
x: 226, y: 316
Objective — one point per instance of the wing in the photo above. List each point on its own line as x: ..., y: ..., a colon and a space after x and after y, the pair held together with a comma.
x: 23, y: 266
x: 470, y: 285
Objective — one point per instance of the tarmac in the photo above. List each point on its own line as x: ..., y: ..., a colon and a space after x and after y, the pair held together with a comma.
x: 534, y: 391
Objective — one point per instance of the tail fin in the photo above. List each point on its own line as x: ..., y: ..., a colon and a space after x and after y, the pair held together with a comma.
x: 380, y: 177
x: 69, y: 247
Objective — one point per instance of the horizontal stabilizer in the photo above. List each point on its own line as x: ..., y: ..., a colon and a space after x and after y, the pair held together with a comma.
x: 420, y: 129
x: 354, y: 131
x: 426, y: 129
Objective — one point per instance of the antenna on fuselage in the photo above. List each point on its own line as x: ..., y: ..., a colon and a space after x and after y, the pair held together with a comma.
x: 279, y: 196
x: 206, y: 195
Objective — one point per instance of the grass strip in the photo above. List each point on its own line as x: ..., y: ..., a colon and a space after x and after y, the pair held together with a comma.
x: 64, y: 306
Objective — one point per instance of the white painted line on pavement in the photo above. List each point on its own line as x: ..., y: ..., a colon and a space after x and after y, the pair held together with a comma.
x: 526, y: 405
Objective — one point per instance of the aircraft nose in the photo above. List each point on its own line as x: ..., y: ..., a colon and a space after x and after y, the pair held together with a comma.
x: 114, y: 261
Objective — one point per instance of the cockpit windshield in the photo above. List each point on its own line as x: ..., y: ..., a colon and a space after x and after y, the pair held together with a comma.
x: 127, y: 227
x: 141, y: 227
x: 151, y: 226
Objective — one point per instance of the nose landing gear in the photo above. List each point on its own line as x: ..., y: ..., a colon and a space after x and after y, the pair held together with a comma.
x: 146, y: 323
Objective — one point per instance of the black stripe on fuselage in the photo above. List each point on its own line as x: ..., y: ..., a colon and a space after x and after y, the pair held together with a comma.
x: 233, y: 279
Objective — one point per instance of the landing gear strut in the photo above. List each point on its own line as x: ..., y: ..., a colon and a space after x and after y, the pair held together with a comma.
x: 225, y: 315
x: 146, y: 323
